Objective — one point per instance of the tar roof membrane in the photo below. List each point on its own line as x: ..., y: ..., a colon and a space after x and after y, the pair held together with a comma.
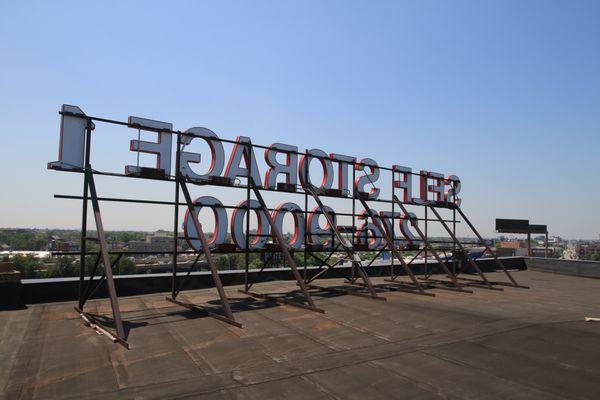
x: 518, y: 344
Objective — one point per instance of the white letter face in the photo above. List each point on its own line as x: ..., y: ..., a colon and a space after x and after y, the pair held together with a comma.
x: 237, y: 226
x: 289, y: 169
x: 298, y: 214
x: 316, y: 233
x: 162, y: 148
x: 451, y: 194
x: 422, y: 199
x: 438, y: 188
x: 216, y: 152
x: 72, y: 139
x: 325, y: 164
x: 220, y: 232
x: 239, y: 151
x: 344, y: 162
x: 367, y: 179
x: 404, y: 183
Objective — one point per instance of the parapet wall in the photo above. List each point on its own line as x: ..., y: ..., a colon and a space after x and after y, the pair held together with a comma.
x: 66, y: 289
x: 587, y: 269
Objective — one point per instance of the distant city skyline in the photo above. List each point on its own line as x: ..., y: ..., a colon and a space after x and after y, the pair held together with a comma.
x: 501, y: 95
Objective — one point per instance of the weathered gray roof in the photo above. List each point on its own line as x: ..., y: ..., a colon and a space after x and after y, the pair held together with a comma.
x: 518, y: 344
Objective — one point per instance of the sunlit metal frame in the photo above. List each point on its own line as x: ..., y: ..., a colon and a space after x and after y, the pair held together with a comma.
x: 358, y: 277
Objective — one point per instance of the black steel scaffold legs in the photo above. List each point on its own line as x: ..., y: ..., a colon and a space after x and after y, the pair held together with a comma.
x: 228, y: 315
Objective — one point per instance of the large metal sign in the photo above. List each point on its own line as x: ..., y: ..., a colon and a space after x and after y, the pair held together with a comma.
x: 504, y: 225
x: 280, y: 175
x: 316, y: 230
x: 518, y: 226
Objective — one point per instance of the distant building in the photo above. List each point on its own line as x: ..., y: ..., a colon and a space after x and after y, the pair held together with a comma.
x: 589, y: 251
x: 511, y: 248
x: 57, y: 244
x: 554, y: 240
x: 160, y: 241
x: 541, y: 252
x: 510, y: 245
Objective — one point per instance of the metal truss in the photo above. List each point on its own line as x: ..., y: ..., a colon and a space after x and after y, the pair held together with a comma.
x: 449, y: 274
x: 283, y: 246
x: 348, y: 248
x: 484, y: 282
x: 513, y: 282
x: 119, y: 334
x: 343, y: 239
x: 228, y: 315
x: 416, y: 285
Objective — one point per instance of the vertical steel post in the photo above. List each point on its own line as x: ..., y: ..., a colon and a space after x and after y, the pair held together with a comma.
x: 305, y: 235
x: 426, y: 235
x: 453, y: 244
x: 176, y: 218
x: 83, y: 247
x: 354, y: 230
x: 393, y: 229
x: 247, y: 249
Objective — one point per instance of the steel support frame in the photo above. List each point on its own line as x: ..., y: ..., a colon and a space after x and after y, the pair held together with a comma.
x: 348, y: 248
x: 348, y: 279
x: 89, y: 193
x: 119, y: 333
x: 180, y: 184
x: 513, y: 282
x: 323, y: 263
x: 92, y: 284
x: 283, y: 246
x: 394, y: 276
x: 484, y: 283
x: 227, y: 315
x: 395, y: 253
x: 456, y: 286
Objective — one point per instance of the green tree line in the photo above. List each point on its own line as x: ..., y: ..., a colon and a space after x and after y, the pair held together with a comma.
x: 60, y: 267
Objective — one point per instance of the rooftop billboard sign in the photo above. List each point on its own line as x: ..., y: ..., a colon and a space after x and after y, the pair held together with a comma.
x: 335, y: 167
x: 285, y: 170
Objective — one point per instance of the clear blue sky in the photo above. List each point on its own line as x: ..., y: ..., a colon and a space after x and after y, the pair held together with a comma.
x: 504, y: 94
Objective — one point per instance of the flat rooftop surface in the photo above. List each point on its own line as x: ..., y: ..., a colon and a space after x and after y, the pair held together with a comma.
x: 515, y: 344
